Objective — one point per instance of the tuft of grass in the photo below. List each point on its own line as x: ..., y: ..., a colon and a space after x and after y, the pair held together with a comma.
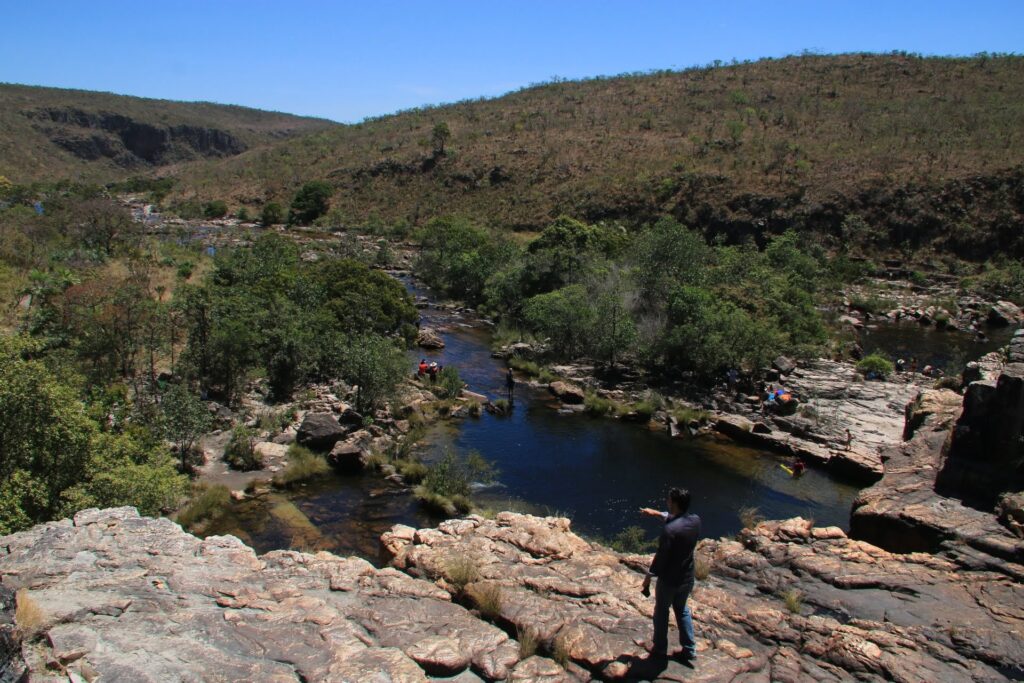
x: 487, y: 598
x: 207, y: 503
x: 560, y: 652
x: 794, y: 600
x: 413, y: 471
x: 474, y: 408
x: 701, y: 566
x: 685, y: 415
x: 750, y: 517
x: 28, y: 615
x: 502, y: 406
x: 528, y: 641
x: 303, y: 464
x: 460, y: 571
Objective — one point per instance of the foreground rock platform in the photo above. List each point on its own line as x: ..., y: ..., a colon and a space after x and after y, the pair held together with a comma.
x: 112, y: 596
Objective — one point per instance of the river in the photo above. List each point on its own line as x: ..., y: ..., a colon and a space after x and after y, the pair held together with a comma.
x: 597, y: 471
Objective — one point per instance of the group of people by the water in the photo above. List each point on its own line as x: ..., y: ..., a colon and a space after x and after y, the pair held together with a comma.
x: 428, y: 370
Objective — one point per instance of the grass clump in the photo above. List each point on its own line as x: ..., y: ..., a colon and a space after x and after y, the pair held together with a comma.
x: 449, y: 384
x: 413, y: 471
x: 303, y: 464
x: 597, y: 405
x: 446, y: 486
x: 794, y: 600
x: 240, y: 453
x: 875, y: 366
x: 28, y: 615
x: 701, y: 566
x: 487, y: 598
x: 460, y: 571
x: 686, y: 415
x: 560, y: 652
x: 750, y: 517
x: 207, y: 503
x: 474, y: 408
x: 528, y: 641
x: 502, y: 407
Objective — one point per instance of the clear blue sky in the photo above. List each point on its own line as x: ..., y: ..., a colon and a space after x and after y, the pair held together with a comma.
x: 347, y: 60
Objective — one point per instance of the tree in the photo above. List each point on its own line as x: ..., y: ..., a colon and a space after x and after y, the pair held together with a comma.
x: 215, y: 209
x: 375, y: 366
x: 311, y: 202
x: 566, y: 316
x: 185, y: 419
x: 440, y: 135
x: 273, y: 213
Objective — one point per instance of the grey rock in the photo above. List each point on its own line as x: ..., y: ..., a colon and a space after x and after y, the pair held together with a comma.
x: 320, y: 431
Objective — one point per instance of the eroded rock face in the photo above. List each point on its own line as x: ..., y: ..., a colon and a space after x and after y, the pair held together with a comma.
x: 786, y: 602
x: 137, y: 599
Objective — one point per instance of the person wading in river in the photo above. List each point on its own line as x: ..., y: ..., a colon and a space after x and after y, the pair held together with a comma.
x: 510, y: 384
x: 673, y: 568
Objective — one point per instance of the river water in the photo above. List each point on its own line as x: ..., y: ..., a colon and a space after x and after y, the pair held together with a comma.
x: 597, y: 471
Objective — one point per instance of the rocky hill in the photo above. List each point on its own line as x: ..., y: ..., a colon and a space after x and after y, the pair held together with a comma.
x: 50, y: 133
x: 921, y: 151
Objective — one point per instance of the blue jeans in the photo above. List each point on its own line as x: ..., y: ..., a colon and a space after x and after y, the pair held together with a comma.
x: 673, y: 595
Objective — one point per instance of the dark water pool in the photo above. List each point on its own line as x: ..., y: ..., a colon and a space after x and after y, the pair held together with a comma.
x: 948, y: 350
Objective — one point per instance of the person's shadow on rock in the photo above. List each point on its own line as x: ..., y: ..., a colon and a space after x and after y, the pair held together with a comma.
x: 644, y: 668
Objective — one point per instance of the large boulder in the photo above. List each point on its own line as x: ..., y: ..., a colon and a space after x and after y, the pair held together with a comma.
x: 567, y: 393
x: 784, y: 365
x: 348, y: 457
x: 1004, y: 313
x: 320, y: 431
x: 429, y: 339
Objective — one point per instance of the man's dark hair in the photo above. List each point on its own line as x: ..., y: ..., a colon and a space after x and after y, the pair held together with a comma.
x: 681, y: 499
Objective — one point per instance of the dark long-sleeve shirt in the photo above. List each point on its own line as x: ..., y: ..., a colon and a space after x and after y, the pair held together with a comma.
x: 674, y: 560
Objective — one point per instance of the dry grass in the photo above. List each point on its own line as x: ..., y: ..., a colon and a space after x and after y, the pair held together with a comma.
x: 528, y: 641
x: 560, y: 652
x: 794, y: 600
x: 702, y: 565
x: 487, y: 598
x: 28, y: 615
x: 460, y: 571
x: 750, y: 517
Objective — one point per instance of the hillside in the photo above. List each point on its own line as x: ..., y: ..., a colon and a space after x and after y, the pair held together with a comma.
x: 924, y: 148
x: 50, y: 133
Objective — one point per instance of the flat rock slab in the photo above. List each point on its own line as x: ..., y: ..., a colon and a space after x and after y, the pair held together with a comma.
x: 137, y: 599
x: 786, y: 601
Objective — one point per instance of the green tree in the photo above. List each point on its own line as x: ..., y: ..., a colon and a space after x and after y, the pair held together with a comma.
x: 273, y: 213
x: 440, y: 135
x: 310, y: 202
x: 566, y: 316
x: 215, y: 209
x: 185, y: 419
x: 375, y: 366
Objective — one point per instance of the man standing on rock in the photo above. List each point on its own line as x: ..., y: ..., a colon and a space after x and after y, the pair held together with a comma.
x: 673, y: 567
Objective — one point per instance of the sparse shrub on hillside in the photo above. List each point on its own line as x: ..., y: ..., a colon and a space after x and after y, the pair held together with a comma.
x: 215, y: 209
x: 272, y: 214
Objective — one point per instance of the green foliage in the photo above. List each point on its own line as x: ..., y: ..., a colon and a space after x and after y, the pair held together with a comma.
x: 876, y: 365
x: 449, y: 384
x: 565, y: 317
x: 446, y: 486
x: 632, y: 539
x: 303, y: 464
x: 243, y: 214
x: 55, y: 459
x: 440, y: 135
x: 310, y: 202
x: 458, y: 257
x: 241, y: 453
x: 215, y: 209
x: 207, y: 503
x: 375, y: 366
x: 185, y: 419
x: 272, y: 214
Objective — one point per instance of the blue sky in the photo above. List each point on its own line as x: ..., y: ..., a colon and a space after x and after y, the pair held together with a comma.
x: 346, y: 61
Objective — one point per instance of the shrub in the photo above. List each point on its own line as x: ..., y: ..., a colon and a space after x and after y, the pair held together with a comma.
x: 240, y: 453
x: 215, y: 209
x: 597, y: 405
x: 272, y: 214
x: 449, y: 384
x: 632, y: 539
x: 875, y: 365
x: 303, y: 464
x: 185, y: 269
x: 243, y: 214
x: 311, y: 202
x: 208, y: 503
x: 474, y: 408
x: 701, y: 566
x: 502, y: 407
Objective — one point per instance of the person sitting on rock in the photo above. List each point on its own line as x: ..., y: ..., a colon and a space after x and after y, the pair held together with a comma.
x: 900, y: 365
x: 673, y: 566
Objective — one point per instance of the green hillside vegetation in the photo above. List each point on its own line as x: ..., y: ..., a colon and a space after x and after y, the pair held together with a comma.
x: 884, y: 151
x: 51, y: 133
